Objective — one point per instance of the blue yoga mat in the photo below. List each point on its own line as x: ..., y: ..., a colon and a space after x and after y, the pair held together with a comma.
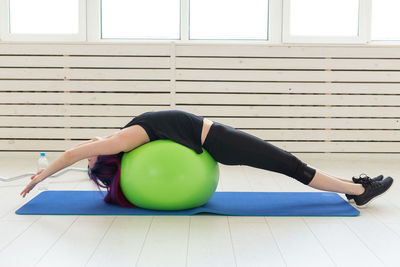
x: 224, y: 203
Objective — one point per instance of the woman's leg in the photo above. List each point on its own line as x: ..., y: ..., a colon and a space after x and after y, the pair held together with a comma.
x: 326, y: 182
x: 230, y: 146
x: 341, y: 179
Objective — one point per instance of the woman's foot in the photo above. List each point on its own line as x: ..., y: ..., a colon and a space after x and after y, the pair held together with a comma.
x: 372, y: 190
x: 355, y: 180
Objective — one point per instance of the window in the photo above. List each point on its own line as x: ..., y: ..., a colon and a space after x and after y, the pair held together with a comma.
x: 385, y: 20
x: 228, y: 19
x: 324, y: 18
x: 323, y: 21
x: 44, y: 16
x: 140, y: 19
x: 43, y: 20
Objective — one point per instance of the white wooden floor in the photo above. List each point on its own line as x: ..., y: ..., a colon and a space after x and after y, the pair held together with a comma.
x: 371, y: 239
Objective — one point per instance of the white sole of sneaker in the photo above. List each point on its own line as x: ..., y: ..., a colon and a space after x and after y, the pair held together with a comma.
x: 372, y: 199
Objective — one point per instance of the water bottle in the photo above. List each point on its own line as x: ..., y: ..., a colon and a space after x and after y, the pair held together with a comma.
x: 42, y: 164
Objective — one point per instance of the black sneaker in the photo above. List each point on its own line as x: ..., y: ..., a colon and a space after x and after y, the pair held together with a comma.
x: 355, y: 180
x: 372, y: 190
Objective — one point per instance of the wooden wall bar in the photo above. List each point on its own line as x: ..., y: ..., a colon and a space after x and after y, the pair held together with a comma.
x: 305, y: 99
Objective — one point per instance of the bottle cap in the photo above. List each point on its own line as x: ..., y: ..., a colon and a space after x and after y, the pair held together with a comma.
x: 42, y: 154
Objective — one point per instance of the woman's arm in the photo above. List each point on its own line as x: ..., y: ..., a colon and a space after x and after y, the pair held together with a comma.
x: 88, y: 141
x: 124, y: 140
x: 102, y: 147
x: 96, y: 138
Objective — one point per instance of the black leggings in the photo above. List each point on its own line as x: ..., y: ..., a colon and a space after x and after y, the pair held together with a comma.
x: 230, y: 146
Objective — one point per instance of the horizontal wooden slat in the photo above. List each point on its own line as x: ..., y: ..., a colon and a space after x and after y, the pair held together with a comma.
x: 80, y: 110
x: 85, y: 62
x: 340, y: 147
x: 382, y: 147
x: 86, y: 98
x: 327, y: 135
x: 292, y: 111
x: 104, y: 86
x: 287, y: 63
x: 262, y: 50
x: 286, y: 87
x: 305, y: 156
x: 207, y: 63
x: 314, y: 123
x: 185, y: 98
x: 83, y: 122
x: 203, y: 86
x: 53, y: 133
x: 238, y: 50
x: 38, y: 145
x: 198, y: 75
x: 294, y: 147
x: 268, y: 135
x: 202, y: 110
x: 85, y: 49
x: 306, y: 76
x: 271, y: 99
x: 266, y: 123
x: 85, y: 74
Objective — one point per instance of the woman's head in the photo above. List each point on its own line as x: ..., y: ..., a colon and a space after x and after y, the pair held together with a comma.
x: 106, y: 173
x: 92, y: 161
x: 103, y: 170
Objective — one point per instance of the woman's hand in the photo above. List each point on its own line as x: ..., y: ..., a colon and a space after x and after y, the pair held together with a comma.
x: 35, y: 180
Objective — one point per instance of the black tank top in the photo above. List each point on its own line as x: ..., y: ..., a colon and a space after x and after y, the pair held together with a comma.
x: 177, y: 125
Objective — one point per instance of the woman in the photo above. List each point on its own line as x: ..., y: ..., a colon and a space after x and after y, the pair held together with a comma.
x: 225, y: 144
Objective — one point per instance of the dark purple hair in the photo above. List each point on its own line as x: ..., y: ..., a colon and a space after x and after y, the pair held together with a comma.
x: 106, y: 173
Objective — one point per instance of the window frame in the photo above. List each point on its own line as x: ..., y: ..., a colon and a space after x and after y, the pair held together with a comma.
x: 274, y: 25
x: 5, y: 34
x: 90, y: 26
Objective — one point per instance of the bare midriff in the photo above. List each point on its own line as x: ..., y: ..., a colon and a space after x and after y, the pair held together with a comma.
x: 206, y: 128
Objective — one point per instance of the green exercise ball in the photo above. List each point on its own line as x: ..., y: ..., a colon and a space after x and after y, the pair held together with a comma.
x: 165, y: 175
